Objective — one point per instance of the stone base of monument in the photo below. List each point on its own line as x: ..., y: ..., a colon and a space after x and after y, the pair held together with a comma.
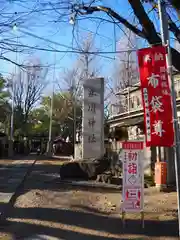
x: 112, y: 176
x: 84, y: 170
x: 100, y: 170
x: 104, y: 178
x: 109, y: 178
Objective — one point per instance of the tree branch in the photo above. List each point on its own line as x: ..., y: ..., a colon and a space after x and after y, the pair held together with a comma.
x: 9, y: 60
x: 173, y: 28
x: 91, y: 9
x: 149, y: 32
x: 147, y: 25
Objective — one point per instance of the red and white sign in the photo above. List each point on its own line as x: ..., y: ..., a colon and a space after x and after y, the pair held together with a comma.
x: 156, y: 95
x: 133, y: 176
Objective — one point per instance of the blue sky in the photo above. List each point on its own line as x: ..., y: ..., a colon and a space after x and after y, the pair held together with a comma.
x: 60, y: 33
x: 43, y: 24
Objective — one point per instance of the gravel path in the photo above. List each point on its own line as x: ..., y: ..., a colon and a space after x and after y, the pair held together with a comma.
x: 48, y: 209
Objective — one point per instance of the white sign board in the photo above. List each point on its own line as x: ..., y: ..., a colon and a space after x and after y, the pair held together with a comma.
x: 93, y: 118
x: 133, y: 176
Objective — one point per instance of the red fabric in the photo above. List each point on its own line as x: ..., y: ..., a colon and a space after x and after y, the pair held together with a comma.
x: 132, y: 145
x: 127, y: 194
x: 139, y: 195
x: 156, y: 96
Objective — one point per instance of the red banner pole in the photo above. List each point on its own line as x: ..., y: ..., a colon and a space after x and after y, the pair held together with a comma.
x: 165, y: 40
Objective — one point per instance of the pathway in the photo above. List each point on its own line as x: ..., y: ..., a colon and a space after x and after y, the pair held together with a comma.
x: 12, y: 174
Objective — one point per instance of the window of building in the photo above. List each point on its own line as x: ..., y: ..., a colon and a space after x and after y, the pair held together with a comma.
x: 132, y: 102
x: 138, y: 101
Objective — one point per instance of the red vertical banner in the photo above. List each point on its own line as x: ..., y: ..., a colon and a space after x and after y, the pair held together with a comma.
x: 156, y: 96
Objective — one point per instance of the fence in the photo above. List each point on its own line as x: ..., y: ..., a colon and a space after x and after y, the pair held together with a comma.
x: 126, y: 105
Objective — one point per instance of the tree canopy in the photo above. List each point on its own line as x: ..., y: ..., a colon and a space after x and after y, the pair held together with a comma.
x: 5, y: 108
x: 63, y: 116
x: 26, y: 87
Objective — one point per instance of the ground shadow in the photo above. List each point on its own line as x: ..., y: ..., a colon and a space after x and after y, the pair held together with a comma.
x: 84, y: 220
x: 46, y: 176
x: 31, y: 231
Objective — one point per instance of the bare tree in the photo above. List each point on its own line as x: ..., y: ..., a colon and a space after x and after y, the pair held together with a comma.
x: 124, y: 74
x: 125, y: 67
x: 87, y: 62
x: 27, y: 87
x: 73, y: 79
x: 84, y: 68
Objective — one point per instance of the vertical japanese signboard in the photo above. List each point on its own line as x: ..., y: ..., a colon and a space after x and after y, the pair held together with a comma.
x: 93, y: 118
x: 133, y: 177
x: 156, y: 95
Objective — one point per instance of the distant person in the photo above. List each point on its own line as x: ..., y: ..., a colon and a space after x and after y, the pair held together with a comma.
x: 54, y: 149
x: 38, y: 151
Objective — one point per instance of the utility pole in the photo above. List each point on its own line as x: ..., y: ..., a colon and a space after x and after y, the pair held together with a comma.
x: 50, y: 142
x: 165, y: 41
x: 49, y: 150
x: 74, y: 113
x: 10, y: 147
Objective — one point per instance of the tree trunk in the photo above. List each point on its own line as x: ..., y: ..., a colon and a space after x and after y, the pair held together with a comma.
x: 175, y: 59
x: 149, y: 30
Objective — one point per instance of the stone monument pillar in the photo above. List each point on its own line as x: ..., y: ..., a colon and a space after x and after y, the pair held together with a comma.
x: 93, y: 119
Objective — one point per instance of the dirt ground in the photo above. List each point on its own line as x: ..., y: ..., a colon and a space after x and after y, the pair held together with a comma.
x: 48, y: 209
